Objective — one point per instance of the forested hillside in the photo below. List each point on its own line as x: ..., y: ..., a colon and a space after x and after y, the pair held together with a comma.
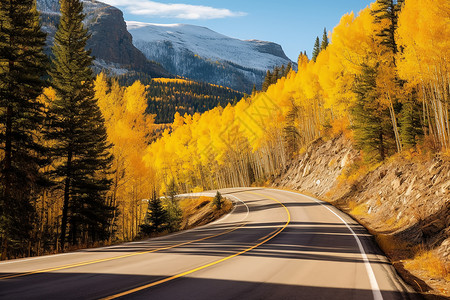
x: 166, y: 96
x: 170, y: 96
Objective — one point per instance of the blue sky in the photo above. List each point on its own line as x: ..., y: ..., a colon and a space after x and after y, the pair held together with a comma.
x: 294, y: 24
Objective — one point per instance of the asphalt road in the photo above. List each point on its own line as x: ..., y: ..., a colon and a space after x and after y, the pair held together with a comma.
x: 274, y: 245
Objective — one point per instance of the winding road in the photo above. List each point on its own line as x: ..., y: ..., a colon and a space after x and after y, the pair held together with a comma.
x: 274, y: 245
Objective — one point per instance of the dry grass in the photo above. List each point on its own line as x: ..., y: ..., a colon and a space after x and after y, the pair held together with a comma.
x: 430, y: 263
x: 199, y: 211
x: 356, y: 171
x: 190, y: 205
x: 332, y: 162
x: 390, y: 244
x: 394, y: 224
x: 357, y: 209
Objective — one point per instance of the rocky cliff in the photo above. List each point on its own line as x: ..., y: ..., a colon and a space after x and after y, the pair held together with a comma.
x: 111, y: 43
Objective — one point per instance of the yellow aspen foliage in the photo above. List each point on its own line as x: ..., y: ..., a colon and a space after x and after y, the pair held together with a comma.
x: 135, y: 98
x: 129, y: 130
x: 424, y: 28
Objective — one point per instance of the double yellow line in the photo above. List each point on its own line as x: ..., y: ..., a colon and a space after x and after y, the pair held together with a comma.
x: 146, y: 286
x: 116, y: 257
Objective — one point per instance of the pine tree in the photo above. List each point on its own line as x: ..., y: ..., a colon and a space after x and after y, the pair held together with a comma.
x: 275, y: 75
x: 388, y: 10
x: 291, y: 133
x: 267, y: 81
x: 288, y: 69
x: 299, y: 58
x: 325, y: 41
x: 23, y: 65
x: 316, y: 49
x: 79, y: 133
x: 372, y: 128
x: 254, y: 90
x: 218, y: 201
x: 174, y: 212
x: 410, y: 122
x: 156, y: 218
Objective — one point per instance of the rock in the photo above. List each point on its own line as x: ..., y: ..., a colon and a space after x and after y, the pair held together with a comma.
x: 306, y: 170
x: 444, y: 250
x: 447, y: 232
x: 433, y: 227
x: 411, y: 186
x: 345, y: 160
x: 396, y: 183
x: 111, y: 43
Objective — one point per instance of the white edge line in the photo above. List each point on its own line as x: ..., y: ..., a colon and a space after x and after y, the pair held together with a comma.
x: 19, y: 260
x: 373, y: 281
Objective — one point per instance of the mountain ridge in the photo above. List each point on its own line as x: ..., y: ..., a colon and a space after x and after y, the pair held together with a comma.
x: 199, y: 53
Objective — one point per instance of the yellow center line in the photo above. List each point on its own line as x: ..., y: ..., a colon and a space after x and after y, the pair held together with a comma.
x: 267, y: 235
x: 117, y: 257
x: 143, y: 287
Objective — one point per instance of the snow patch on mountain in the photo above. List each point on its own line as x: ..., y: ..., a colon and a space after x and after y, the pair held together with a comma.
x: 207, y: 44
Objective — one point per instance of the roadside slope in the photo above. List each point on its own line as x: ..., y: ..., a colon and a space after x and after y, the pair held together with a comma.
x: 404, y: 202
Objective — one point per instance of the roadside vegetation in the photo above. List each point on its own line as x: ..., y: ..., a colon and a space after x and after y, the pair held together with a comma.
x: 172, y: 214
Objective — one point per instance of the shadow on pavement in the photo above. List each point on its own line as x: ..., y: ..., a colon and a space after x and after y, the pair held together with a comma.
x: 98, y: 285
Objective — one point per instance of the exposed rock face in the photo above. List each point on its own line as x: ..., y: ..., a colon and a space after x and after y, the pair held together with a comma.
x: 270, y: 48
x: 111, y: 43
x: 317, y: 170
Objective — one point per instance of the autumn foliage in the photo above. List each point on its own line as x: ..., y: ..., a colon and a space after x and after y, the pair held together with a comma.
x: 387, y: 78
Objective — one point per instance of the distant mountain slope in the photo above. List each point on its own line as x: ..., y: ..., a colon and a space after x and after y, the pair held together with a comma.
x: 202, y: 54
x: 111, y: 43
x: 167, y: 96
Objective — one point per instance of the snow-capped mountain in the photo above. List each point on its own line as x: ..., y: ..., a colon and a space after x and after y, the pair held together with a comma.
x: 202, y: 54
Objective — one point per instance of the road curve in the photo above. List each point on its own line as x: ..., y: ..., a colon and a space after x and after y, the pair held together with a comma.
x: 274, y: 245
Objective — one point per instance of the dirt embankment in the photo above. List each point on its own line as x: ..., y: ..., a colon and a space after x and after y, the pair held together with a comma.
x: 404, y: 202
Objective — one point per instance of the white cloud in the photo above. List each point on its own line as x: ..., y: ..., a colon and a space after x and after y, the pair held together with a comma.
x: 173, y: 10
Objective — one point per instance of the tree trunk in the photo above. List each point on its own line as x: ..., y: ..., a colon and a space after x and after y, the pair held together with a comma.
x: 66, y: 200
